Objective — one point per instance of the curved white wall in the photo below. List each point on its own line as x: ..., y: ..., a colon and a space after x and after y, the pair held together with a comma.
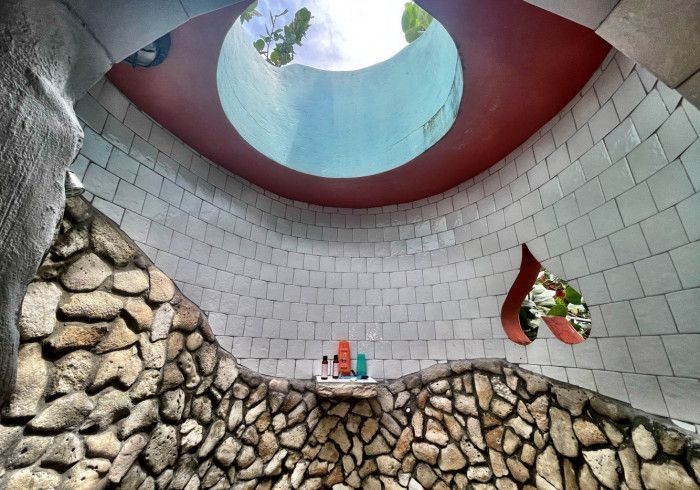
x: 605, y: 195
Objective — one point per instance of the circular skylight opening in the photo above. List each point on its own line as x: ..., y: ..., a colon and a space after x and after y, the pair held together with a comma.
x: 342, y: 35
x: 329, y: 89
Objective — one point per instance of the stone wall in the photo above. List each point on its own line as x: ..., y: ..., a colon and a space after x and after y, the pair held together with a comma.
x: 605, y: 195
x: 121, y: 383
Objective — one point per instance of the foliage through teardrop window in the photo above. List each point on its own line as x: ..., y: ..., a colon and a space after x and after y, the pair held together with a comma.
x: 551, y: 296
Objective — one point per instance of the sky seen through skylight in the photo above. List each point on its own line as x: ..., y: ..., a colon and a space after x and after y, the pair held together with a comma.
x: 344, y: 34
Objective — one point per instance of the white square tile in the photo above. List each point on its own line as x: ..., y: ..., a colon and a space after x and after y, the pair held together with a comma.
x: 670, y: 185
x: 91, y: 112
x: 630, y: 93
x: 616, y: 179
x: 685, y: 307
x: 571, y: 178
x: 611, y: 384
x: 100, y: 182
x: 649, y: 355
x: 636, y: 204
x: 645, y: 394
x: 595, y: 160
x: 657, y: 275
x: 615, y: 355
x: 629, y: 245
x: 682, y: 398
x: 558, y: 241
x: 676, y: 134
x: 138, y: 122
x: 621, y: 140
x: 585, y: 108
x: 603, y: 121
x: 579, y: 143
x: 118, y: 134
x: 581, y: 377
x: 574, y: 263
x: 664, y: 231
x: 608, y: 82
x: 682, y: 353
x: 619, y: 319
x: 687, y: 264
x: 623, y: 283
x: 606, y: 219
x: 589, y: 196
x: 649, y: 115
x: 646, y: 159
x: 599, y: 255
x: 564, y: 129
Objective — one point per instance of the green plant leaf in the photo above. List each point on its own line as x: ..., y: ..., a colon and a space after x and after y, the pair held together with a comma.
x: 285, y: 37
x: 572, y: 296
x: 303, y: 15
x: 558, y: 310
x: 408, y: 19
x: 412, y: 34
x: 250, y: 12
x: 259, y: 45
x: 414, y: 21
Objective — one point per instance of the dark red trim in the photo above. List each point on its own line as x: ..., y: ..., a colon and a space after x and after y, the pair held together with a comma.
x: 562, y: 329
x: 510, y: 312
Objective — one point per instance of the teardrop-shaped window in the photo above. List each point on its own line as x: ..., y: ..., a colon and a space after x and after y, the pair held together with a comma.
x: 537, y: 296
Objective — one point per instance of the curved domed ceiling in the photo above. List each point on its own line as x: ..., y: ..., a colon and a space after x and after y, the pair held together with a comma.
x: 519, y: 66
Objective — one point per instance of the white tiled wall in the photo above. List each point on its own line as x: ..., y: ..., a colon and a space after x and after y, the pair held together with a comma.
x: 605, y: 195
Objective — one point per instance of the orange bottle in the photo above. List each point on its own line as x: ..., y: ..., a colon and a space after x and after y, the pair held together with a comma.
x: 344, y: 364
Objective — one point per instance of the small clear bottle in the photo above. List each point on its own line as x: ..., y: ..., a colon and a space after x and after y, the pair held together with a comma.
x: 324, y: 368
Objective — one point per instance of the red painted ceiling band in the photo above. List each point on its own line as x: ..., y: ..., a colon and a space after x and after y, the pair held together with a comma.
x: 521, y: 66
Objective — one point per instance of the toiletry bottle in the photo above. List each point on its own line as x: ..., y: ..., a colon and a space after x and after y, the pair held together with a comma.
x: 335, y: 366
x: 344, y: 362
x: 361, y: 365
x: 324, y: 368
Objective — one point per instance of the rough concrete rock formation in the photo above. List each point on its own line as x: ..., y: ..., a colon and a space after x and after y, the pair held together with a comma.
x: 40, y: 134
x: 125, y: 386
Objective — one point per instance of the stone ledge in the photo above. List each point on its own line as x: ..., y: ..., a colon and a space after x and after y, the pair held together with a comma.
x: 347, y: 389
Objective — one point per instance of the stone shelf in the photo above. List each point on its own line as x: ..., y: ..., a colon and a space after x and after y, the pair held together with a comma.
x: 346, y: 388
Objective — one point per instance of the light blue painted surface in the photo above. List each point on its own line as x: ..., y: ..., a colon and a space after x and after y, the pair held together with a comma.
x: 342, y: 124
